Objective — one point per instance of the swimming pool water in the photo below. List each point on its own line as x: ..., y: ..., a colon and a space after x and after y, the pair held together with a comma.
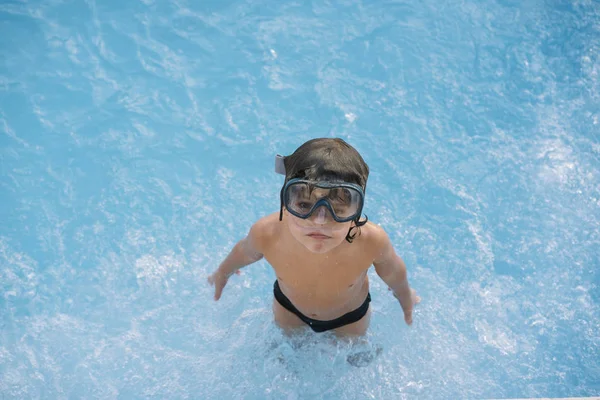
x: 136, y: 147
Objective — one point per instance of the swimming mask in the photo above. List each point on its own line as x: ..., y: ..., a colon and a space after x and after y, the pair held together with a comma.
x: 302, y: 197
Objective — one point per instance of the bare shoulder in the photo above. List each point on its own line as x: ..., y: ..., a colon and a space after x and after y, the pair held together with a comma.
x: 373, y: 233
x: 265, y: 230
x: 374, y: 237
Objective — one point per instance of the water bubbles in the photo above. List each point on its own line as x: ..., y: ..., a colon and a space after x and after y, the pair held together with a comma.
x: 350, y: 117
x: 152, y: 271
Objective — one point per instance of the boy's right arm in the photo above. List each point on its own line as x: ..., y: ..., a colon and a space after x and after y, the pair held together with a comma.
x: 246, y: 251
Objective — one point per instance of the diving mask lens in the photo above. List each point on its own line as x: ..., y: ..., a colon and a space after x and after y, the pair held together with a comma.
x: 343, y: 200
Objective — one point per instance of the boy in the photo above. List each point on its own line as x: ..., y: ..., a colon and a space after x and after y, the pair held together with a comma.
x: 319, y: 247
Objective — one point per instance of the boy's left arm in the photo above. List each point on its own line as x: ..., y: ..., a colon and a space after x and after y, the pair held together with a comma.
x: 392, y: 270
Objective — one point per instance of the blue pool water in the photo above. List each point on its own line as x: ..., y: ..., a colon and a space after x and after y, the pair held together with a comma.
x: 136, y: 147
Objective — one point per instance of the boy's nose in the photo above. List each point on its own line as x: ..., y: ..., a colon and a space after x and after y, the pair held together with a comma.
x: 320, y: 215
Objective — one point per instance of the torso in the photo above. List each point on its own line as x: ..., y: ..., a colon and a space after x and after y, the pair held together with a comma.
x: 322, y: 286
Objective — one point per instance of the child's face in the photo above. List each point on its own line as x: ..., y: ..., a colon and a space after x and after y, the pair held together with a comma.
x: 319, y: 233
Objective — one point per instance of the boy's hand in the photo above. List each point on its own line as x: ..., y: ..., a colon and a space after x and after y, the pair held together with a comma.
x: 219, y: 280
x: 415, y: 300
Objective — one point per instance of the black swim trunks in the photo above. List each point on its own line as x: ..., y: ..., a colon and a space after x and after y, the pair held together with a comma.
x: 315, y: 324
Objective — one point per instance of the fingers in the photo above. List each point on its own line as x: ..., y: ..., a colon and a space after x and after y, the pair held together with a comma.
x: 218, y: 291
x: 416, y: 299
x: 219, y: 284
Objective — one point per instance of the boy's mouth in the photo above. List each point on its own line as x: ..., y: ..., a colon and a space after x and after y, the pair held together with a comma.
x: 318, y: 235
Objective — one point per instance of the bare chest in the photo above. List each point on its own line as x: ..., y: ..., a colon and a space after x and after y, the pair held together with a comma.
x: 322, y: 276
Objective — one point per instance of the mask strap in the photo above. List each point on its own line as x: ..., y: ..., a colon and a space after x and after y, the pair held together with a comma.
x: 279, y: 164
x: 280, y: 169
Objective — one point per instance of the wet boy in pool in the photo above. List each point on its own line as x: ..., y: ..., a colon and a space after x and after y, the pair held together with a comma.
x: 318, y: 245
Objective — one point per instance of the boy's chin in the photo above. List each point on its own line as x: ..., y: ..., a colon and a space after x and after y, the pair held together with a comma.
x: 320, y: 247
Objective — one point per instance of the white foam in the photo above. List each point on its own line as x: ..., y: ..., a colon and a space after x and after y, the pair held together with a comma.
x: 151, y: 270
x: 502, y: 340
x: 350, y: 117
